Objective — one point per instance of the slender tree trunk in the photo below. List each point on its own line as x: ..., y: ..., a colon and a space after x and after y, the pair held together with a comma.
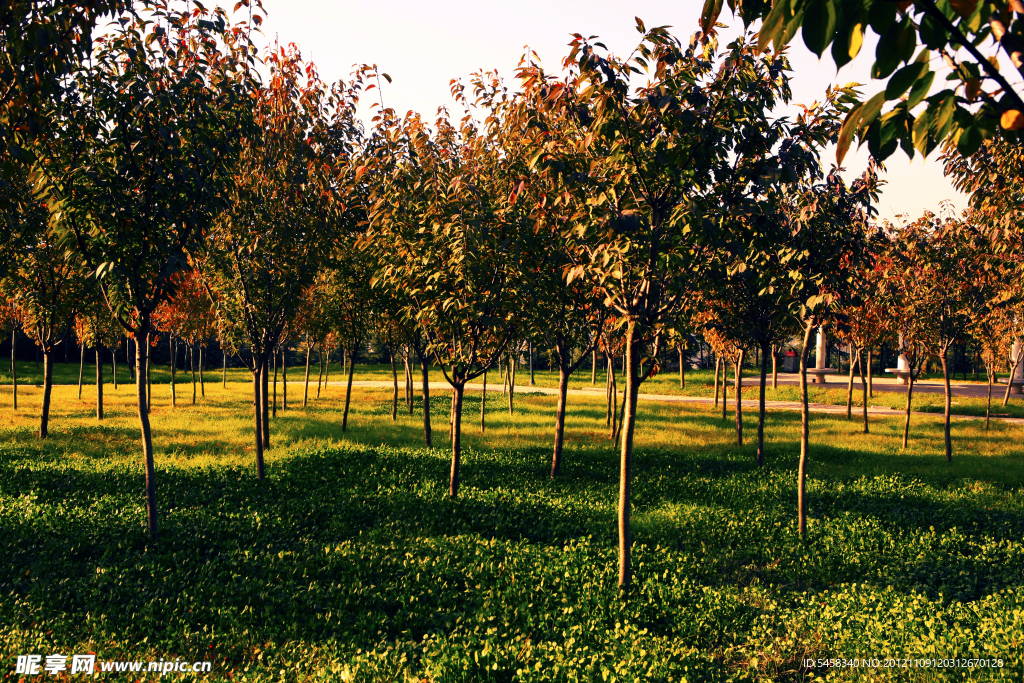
x: 14, y: 372
x: 458, y: 392
x: 682, y: 369
x: 626, y: 459
x: 532, y: 383
x: 81, y: 368
x: 394, y: 376
x: 563, y: 390
x: 320, y: 368
x: 451, y: 413
x: 425, y: 372
x: 44, y: 418
x: 864, y: 386
x: 511, y: 382
x: 305, y: 388
x: 609, y: 379
x: 149, y: 380
x: 142, y: 391
x: 910, y: 395
x: 805, y: 434
x: 224, y: 372
x: 99, y: 383
x: 765, y: 348
x: 849, y: 386
x: 265, y: 398
x: 483, y: 404
x: 593, y: 367
x: 718, y: 364
x: 989, y: 367
x: 408, y: 380
x: 871, y: 388
x: 350, y: 355
x: 258, y: 420
x: 113, y: 365
x: 284, y: 380
x: 202, y: 383
x: 192, y: 369
x: 621, y: 416
x: 725, y: 385
x: 615, y: 403
x: 273, y: 403
x: 949, y: 403
x: 170, y: 344
x: 1009, y: 381
x: 128, y: 358
x: 738, y: 376
x: 775, y: 369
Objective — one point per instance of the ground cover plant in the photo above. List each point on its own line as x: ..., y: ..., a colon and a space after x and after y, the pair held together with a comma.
x: 349, y: 562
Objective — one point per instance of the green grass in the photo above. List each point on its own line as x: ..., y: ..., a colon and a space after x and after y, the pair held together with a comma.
x: 698, y: 383
x: 350, y: 563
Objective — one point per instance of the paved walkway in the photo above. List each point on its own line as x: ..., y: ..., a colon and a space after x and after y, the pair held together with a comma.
x: 750, y: 399
x: 924, y: 386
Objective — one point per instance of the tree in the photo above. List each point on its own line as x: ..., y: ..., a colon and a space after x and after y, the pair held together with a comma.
x: 134, y: 176
x: 826, y: 245
x: 95, y: 326
x: 286, y: 207
x: 187, y: 315
x: 44, y: 283
x: 444, y: 209
x: 43, y: 43
x: 981, y: 99
x: 864, y: 324
x: 643, y: 163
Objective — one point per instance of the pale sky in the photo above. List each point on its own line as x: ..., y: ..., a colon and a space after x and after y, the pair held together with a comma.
x: 423, y: 45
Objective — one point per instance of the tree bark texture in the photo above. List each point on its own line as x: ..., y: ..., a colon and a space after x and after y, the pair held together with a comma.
x: 947, y: 437
x: 864, y: 387
x: 738, y: 376
x: 99, y: 383
x: 563, y: 390
x: 348, y: 387
x: 458, y: 391
x: 258, y: 421
x: 805, y: 434
x: 81, y: 368
x: 632, y: 353
x: 44, y: 417
x: 142, y: 399
x: 394, y: 376
x: 483, y: 404
x: 425, y: 372
x: 765, y: 348
x: 305, y: 387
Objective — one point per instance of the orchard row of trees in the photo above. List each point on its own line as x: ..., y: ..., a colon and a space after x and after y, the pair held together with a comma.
x: 618, y: 205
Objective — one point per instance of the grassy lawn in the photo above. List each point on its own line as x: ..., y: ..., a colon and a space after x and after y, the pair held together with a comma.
x: 350, y: 563
x: 698, y: 383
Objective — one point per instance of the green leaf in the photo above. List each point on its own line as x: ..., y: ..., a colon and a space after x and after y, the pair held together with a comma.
x: 933, y: 34
x: 846, y: 132
x: 920, y: 90
x: 772, y: 26
x: 903, y: 79
x: 708, y: 17
x: 881, y: 16
x: 819, y: 25
x: 969, y: 142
